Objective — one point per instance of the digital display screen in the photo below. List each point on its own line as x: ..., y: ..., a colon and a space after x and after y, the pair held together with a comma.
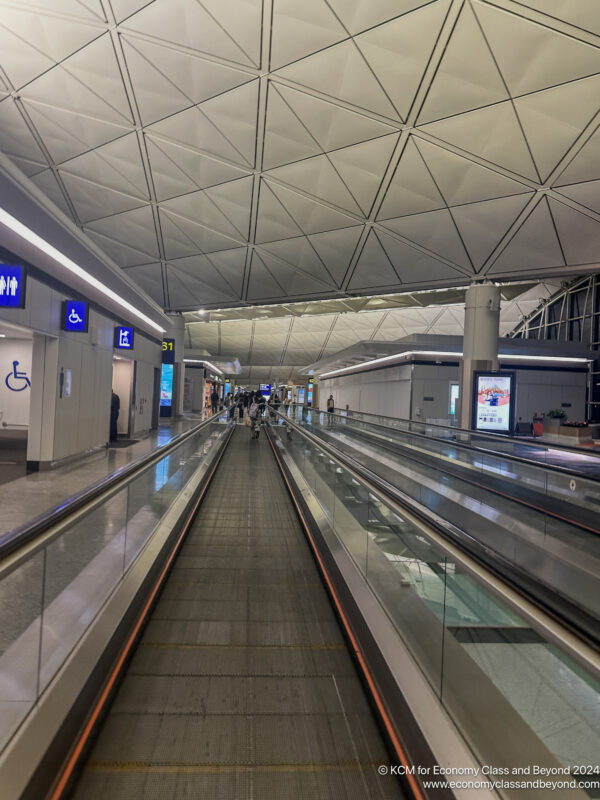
x: 75, y: 316
x: 493, y: 407
x: 265, y: 389
x: 166, y: 385
x: 454, y: 395
x: 12, y: 286
x: 123, y: 338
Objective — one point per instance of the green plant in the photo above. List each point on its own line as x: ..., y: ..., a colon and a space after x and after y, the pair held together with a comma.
x: 557, y: 413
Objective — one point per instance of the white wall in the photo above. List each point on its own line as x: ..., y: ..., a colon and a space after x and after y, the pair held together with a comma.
x: 14, y: 405
x: 62, y: 427
x: 387, y: 391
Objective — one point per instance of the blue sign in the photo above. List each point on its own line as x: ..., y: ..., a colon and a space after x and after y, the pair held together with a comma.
x: 12, y: 286
x: 265, y: 389
x: 123, y: 338
x: 75, y: 316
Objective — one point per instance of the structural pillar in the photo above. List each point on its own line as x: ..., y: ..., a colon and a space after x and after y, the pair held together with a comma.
x: 480, y: 341
x: 177, y: 332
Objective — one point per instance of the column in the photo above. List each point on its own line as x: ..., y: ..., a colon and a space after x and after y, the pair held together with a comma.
x: 480, y: 341
x: 177, y: 332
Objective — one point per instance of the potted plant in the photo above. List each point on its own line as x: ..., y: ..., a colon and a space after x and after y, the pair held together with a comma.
x: 554, y: 419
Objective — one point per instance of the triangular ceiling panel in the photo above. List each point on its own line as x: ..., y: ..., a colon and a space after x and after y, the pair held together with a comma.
x: 492, y: 133
x: 413, y: 266
x: 588, y: 194
x: 177, y: 169
x: 233, y: 113
x: 295, y: 280
x: 302, y: 28
x: 15, y: 137
x: 122, y: 254
x: 373, y: 267
x: 89, y: 84
x: 21, y: 61
x: 579, y: 234
x: 342, y: 73
x: 233, y: 199
x: 190, y: 24
x: 299, y: 253
x: 362, y: 167
x: 531, y: 56
x: 461, y: 180
x: 149, y: 277
x: 55, y: 37
x: 93, y: 201
x: 583, y: 15
x: 310, y: 215
x: 566, y: 110
x: 286, y: 136
x: 205, y: 277
x: 332, y: 126
x: 131, y: 228
x: 434, y: 230
x: 357, y: 15
x: 412, y: 189
x: 457, y: 86
x: 230, y: 264
x: 166, y: 80
x: 125, y: 8
x: 46, y: 181
x: 117, y: 165
x: 316, y: 176
x: 262, y: 285
x: 585, y: 165
x: 274, y: 221
x: 483, y: 224
x: 534, y: 244
x: 335, y: 249
x: 398, y: 51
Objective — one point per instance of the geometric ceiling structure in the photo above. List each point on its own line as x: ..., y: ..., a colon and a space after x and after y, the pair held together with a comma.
x: 275, y: 343
x: 230, y: 152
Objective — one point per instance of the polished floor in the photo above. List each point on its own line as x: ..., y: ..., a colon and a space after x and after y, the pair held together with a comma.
x: 242, y: 686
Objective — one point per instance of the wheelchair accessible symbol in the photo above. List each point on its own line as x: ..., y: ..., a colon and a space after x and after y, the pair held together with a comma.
x: 74, y: 318
x: 17, y: 381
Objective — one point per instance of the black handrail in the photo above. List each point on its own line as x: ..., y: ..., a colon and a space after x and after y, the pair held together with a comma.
x: 468, y: 446
x: 17, y: 537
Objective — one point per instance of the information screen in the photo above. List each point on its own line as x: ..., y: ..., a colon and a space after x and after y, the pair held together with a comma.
x: 168, y: 351
x: 166, y: 386
x: 493, y: 401
x: 265, y: 389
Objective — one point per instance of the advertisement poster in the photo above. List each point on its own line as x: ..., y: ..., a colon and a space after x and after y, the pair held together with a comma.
x: 166, y: 385
x: 494, y: 402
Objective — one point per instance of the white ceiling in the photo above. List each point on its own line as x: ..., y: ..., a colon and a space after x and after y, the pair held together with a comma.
x: 280, y: 348
x: 228, y: 151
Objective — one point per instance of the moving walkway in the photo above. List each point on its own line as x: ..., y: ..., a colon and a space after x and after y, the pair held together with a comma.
x: 220, y: 627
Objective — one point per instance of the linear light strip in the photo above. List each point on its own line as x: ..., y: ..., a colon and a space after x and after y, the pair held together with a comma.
x: 505, y: 356
x: 202, y: 361
x: 26, y: 233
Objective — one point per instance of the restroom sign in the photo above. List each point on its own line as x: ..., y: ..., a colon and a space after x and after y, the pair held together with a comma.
x: 12, y: 286
x: 123, y: 338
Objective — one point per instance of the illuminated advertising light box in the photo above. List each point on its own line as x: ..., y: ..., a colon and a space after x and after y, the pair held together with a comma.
x: 166, y: 390
x: 265, y: 389
x: 494, y: 401
x: 12, y: 286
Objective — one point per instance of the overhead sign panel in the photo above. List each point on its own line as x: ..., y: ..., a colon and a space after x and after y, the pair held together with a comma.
x: 75, y: 316
x: 123, y: 338
x: 12, y: 286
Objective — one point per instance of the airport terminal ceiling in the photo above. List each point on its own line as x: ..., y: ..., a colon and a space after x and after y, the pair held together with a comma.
x: 231, y: 152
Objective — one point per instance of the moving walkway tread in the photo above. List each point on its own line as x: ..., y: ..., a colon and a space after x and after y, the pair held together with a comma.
x: 242, y: 685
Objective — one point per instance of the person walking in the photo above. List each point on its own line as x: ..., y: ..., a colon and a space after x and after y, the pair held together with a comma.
x: 330, y: 409
x: 254, y: 416
x: 115, y: 407
x: 240, y: 408
x: 214, y: 400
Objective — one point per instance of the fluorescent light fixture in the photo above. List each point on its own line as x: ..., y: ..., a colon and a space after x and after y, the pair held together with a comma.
x: 2, y: 336
x: 202, y: 361
x: 26, y: 233
x: 451, y: 354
